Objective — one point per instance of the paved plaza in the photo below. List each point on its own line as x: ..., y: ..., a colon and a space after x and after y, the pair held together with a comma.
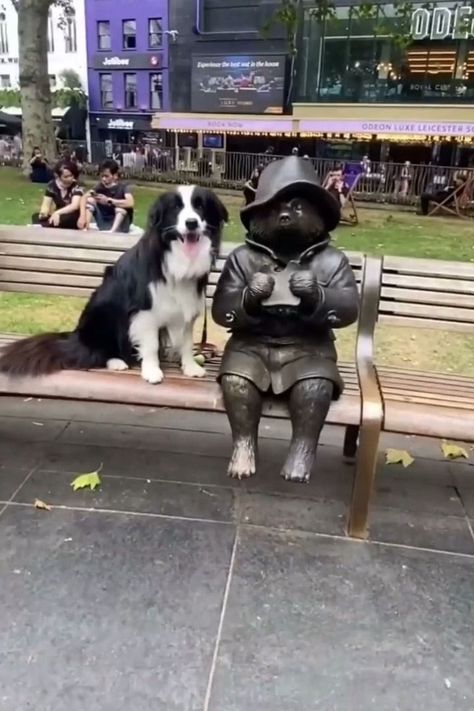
x: 174, y: 589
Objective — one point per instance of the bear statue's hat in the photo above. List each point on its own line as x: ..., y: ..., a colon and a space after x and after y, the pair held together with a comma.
x: 298, y: 174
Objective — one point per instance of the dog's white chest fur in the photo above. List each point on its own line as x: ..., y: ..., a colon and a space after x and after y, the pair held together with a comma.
x: 175, y: 304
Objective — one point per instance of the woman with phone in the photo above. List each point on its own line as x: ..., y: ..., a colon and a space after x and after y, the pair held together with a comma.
x: 61, y: 203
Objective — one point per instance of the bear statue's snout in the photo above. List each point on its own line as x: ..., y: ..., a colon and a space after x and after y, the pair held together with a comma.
x: 285, y: 217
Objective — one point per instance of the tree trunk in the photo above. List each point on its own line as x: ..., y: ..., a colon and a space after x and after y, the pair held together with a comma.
x: 38, y: 127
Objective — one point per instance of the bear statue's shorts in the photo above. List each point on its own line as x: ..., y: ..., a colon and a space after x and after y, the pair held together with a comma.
x: 278, y: 366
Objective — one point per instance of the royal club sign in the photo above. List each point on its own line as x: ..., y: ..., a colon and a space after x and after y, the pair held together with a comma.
x: 442, y: 23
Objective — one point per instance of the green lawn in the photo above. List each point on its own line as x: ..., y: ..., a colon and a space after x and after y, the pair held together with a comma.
x: 382, y: 231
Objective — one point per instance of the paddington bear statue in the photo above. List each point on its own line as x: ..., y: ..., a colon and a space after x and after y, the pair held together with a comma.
x: 281, y: 294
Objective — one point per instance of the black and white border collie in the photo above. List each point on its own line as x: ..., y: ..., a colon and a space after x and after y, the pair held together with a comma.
x: 156, y: 285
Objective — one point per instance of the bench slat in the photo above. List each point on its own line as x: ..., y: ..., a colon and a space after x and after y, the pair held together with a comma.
x: 44, y: 289
x: 436, y: 298
x: 428, y: 267
x: 451, y: 286
x: 23, y: 277
x: 54, y: 266
x: 78, y: 254
x: 425, y: 312
x: 176, y: 392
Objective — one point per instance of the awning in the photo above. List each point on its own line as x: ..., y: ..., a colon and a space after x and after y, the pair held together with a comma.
x: 220, y: 123
x: 15, y: 112
x: 386, y: 121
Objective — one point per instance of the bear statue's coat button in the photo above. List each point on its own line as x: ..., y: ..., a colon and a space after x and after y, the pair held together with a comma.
x: 333, y: 318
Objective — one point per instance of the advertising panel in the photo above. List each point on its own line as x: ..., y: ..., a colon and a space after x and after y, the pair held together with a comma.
x: 250, y: 84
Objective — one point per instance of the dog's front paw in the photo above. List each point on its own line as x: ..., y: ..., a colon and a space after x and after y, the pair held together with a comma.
x: 152, y: 373
x: 116, y: 364
x: 193, y: 370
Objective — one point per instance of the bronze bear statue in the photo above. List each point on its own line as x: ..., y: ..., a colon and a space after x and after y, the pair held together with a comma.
x: 281, y: 294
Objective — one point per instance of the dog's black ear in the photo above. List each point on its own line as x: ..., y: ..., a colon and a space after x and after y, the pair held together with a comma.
x: 218, y: 207
x: 155, y: 215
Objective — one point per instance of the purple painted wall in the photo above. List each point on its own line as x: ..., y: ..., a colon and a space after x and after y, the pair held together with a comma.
x: 148, y: 60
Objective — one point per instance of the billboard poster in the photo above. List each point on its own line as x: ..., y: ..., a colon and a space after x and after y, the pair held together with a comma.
x: 248, y: 84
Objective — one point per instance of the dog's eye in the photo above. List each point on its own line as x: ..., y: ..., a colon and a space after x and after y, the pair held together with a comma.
x: 198, y: 203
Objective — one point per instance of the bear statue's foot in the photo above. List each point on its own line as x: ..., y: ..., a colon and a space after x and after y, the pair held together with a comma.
x: 298, y: 465
x: 243, y: 461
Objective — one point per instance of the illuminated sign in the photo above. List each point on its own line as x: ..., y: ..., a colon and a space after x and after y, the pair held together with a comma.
x: 442, y: 22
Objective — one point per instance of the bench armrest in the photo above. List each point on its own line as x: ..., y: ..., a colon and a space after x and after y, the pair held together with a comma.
x: 371, y: 398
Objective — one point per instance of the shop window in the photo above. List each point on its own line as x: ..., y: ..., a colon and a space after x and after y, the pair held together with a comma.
x: 156, y: 91
x: 5, y: 81
x: 3, y: 34
x: 129, y: 34
x: 52, y: 81
x: 130, y: 91
x: 103, y: 35
x: 106, y: 91
x: 70, y: 36
x: 155, y: 33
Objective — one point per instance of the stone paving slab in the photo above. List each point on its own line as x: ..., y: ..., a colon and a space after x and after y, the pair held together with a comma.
x: 107, y: 612
x: 332, y: 624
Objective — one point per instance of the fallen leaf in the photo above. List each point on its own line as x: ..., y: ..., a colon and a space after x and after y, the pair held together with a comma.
x: 453, y: 451
x: 87, y: 481
x: 41, y: 505
x: 398, y: 456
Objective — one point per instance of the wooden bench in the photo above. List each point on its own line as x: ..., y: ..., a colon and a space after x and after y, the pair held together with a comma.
x: 42, y: 261
x: 421, y: 294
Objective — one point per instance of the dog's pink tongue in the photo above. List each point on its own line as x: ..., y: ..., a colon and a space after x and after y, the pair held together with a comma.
x: 191, y: 247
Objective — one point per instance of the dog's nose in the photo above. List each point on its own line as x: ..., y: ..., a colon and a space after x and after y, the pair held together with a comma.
x: 192, y: 224
x: 285, y: 217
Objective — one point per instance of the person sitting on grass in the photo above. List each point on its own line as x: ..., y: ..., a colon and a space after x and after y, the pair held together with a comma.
x: 62, y: 199
x: 447, y: 193
x: 40, y: 170
x: 111, y: 203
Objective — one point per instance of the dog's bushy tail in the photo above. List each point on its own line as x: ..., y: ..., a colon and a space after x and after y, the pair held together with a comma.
x: 47, y: 353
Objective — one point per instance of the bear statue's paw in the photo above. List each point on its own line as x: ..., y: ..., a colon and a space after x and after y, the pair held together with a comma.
x: 297, y: 469
x: 243, y: 462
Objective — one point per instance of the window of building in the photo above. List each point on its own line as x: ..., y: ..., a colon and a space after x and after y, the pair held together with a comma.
x: 103, y: 35
x: 156, y: 91
x: 50, y: 32
x: 5, y: 81
x: 106, y: 92
x: 3, y: 34
x: 70, y: 36
x: 130, y: 91
x: 52, y: 81
x: 155, y: 33
x: 129, y: 34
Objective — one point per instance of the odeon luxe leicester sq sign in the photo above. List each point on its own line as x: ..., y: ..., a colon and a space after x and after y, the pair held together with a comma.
x: 443, y: 22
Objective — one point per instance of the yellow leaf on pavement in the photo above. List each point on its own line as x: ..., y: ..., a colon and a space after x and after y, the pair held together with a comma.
x: 87, y: 481
x: 453, y: 451
x: 41, y: 505
x: 398, y: 456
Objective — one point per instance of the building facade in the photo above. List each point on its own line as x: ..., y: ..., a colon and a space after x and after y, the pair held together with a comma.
x: 127, y: 44
x: 66, y: 44
x: 368, y: 77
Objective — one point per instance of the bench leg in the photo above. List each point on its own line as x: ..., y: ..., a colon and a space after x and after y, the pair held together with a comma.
x: 350, y: 441
x: 366, y: 466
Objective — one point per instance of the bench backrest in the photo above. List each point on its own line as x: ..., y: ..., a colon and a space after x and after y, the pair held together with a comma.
x: 68, y: 263
x: 427, y: 294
